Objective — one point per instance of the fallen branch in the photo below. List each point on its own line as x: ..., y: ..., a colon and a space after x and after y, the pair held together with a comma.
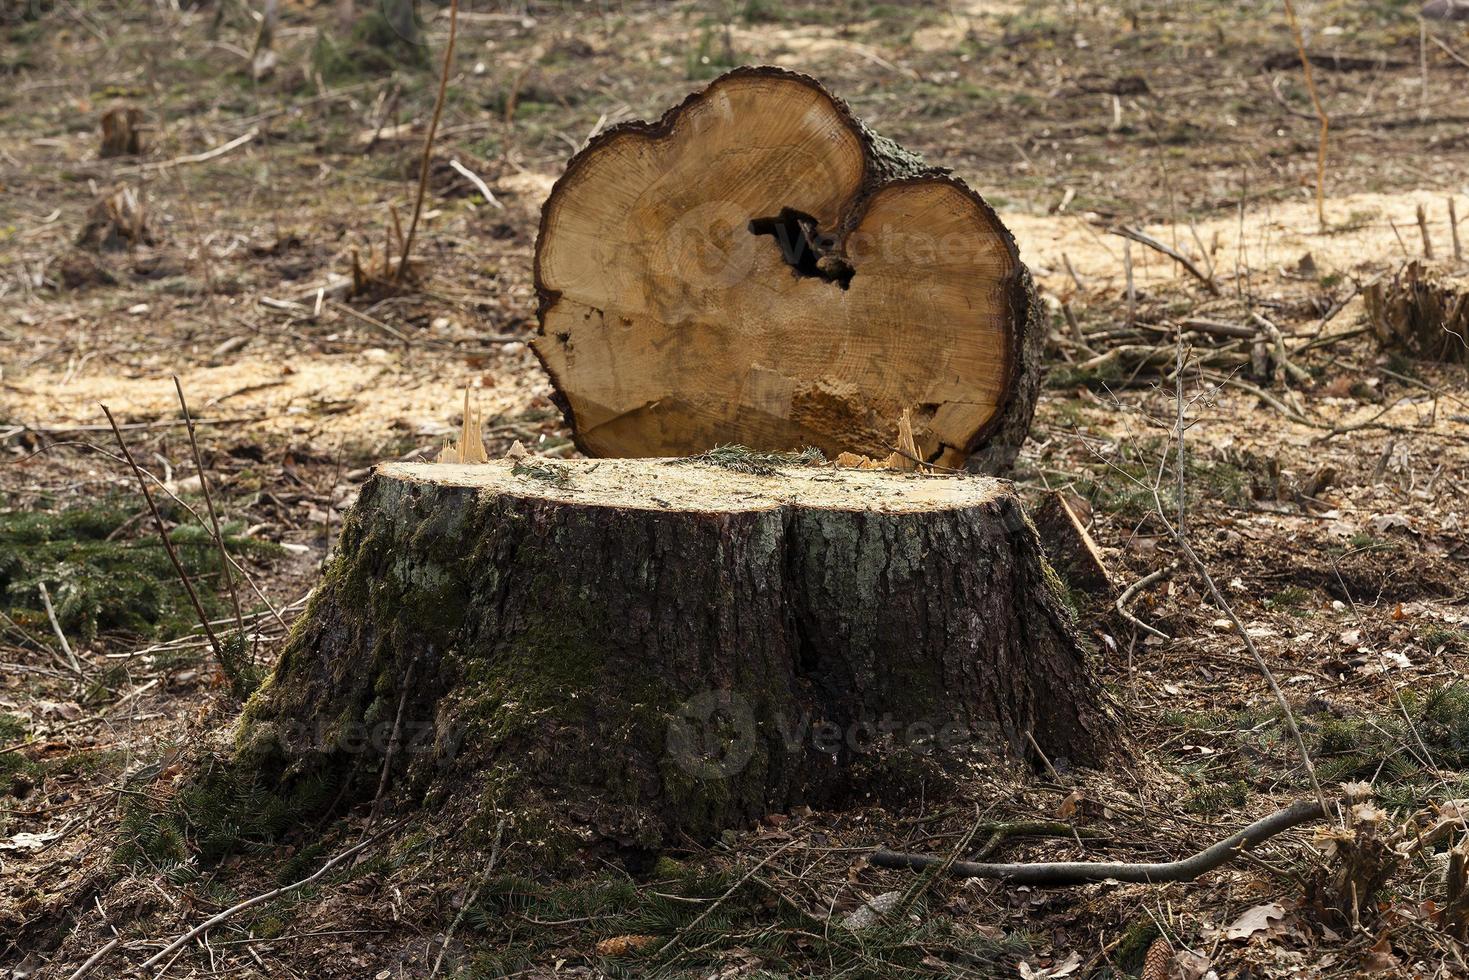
x: 474, y: 178
x: 1060, y: 874
x: 1134, y: 589
x: 1299, y: 38
x: 204, y: 157
x: 1144, y: 239
x: 94, y: 959
x: 224, y: 558
x: 184, y: 504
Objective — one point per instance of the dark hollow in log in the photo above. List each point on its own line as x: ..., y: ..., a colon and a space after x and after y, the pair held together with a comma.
x: 643, y: 648
x: 757, y: 267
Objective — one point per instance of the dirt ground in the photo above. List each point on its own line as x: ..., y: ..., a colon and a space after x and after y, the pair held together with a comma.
x: 1324, y: 481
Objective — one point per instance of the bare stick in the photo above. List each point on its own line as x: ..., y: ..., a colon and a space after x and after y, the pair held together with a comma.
x: 56, y: 628
x: 678, y: 937
x: 1423, y: 230
x: 167, y: 543
x: 480, y: 185
x: 1131, y: 292
x: 1180, y: 538
x: 94, y: 959
x: 1144, y: 239
x: 1121, y: 604
x: 1454, y: 232
x: 204, y: 157
x: 1295, y: 30
x: 1066, y: 261
x: 249, y: 579
x: 1423, y: 66
x: 1063, y: 873
x: 224, y: 558
x: 428, y: 139
x: 382, y: 783
x: 249, y: 903
x: 484, y: 876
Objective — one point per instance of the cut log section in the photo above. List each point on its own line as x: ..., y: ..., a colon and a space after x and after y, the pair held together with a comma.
x: 1069, y: 545
x: 644, y: 648
x: 759, y: 268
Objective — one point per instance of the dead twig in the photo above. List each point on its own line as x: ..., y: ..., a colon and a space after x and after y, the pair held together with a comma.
x: 83, y: 444
x: 1122, y: 600
x: 224, y: 558
x: 204, y: 157
x: 1142, y: 238
x: 428, y: 140
x: 1178, y: 531
x: 1060, y: 874
x: 56, y: 628
x: 484, y: 876
x: 94, y: 959
x: 393, y: 741
x: 1295, y: 30
x: 167, y: 542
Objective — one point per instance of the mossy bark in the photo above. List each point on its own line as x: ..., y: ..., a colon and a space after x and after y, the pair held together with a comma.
x: 638, y: 673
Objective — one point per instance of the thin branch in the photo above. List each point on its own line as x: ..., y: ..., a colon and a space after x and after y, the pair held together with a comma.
x: 56, y: 628
x: 90, y: 447
x: 94, y: 959
x: 1180, y: 537
x: 1060, y: 874
x: 1143, y: 238
x: 463, y: 909
x: 428, y: 140
x: 1122, y: 600
x: 1295, y: 30
x: 224, y: 558
x: 167, y: 542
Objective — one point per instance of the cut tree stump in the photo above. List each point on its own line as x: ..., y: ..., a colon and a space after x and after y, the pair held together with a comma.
x: 759, y: 268
x: 644, y: 648
x: 1422, y: 311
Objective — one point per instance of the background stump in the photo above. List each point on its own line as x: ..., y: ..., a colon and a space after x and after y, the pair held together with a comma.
x: 639, y: 648
x: 758, y: 267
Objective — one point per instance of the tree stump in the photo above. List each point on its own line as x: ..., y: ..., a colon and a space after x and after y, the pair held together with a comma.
x: 1422, y: 311
x: 642, y: 648
x: 759, y: 268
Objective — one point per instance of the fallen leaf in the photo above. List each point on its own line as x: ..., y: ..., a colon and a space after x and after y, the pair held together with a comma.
x: 1261, y: 918
x: 1065, y: 968
x: 27, y: 842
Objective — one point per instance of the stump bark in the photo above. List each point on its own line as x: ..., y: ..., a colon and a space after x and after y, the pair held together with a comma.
x: 758, y: 267
x: 633, y: 649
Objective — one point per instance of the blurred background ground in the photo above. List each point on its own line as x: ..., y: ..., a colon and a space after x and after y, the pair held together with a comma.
x: 1326, y: 485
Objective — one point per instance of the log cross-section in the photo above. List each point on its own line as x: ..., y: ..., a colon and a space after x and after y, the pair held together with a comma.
x: 758, y: 267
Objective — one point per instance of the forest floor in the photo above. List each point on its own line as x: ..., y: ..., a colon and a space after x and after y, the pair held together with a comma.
x: 1326, y: 497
